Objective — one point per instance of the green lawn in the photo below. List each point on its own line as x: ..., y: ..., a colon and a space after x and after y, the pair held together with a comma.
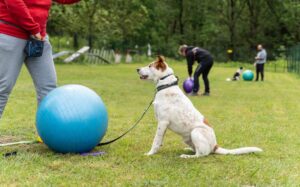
x: 264, y: 114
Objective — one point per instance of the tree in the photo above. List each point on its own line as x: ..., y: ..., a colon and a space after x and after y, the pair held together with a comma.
x: 216, y: 25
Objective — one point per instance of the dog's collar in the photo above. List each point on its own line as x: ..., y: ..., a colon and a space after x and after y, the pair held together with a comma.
x: 162, y: 87
x: 165, y: 76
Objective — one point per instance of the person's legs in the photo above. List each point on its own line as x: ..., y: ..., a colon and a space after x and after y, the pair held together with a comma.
x: 197, y: 73
x: 206, y: 71
x: 43, y: 72
x: 262, y: 71
x: 257, y: 72
x: 11, y: 60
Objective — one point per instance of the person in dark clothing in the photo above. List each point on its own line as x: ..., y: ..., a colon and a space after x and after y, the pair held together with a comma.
x: 205, y: 63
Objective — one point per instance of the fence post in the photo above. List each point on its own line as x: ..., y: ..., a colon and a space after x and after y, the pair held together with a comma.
x: 293, y: 59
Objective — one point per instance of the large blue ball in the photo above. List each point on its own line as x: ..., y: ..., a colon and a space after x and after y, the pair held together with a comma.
x: 71, y: 119
x: 248, y: 75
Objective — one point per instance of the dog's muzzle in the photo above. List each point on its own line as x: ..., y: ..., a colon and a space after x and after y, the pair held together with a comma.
x: 141, y: 76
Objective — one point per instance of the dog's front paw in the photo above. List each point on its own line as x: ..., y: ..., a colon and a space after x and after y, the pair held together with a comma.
x: 189, y: 149
x: 150, y: 153
x: 185, y: 156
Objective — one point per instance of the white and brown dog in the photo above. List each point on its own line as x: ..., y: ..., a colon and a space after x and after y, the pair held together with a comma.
x: 175, y: 111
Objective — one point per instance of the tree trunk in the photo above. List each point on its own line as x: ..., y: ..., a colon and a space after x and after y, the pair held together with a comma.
x: 181, y: 25
x: 75, y: 41
x: 180, y: 19
x: 232, y: 22
x: 282, y: 25
x: 253, y: 22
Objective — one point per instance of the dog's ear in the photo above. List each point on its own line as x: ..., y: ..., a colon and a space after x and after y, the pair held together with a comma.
x: 160, y: 63
x: 160, y: 58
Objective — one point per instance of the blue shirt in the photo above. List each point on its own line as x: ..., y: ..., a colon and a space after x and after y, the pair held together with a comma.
x: 262, y: 57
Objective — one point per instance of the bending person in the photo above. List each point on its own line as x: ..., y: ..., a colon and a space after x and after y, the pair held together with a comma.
x: 205, y: 63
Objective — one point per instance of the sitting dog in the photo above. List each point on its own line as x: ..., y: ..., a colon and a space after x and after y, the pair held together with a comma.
x: 175, y: 111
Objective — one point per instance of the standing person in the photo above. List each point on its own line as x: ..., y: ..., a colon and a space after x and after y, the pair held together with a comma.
x: 20, y: 20
x: 128, y: 58
x: 260, y: 61
x: 205, y: 63
x: 118, y: 57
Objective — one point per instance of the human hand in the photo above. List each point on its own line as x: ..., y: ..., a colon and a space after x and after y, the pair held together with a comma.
x: 38, y: 36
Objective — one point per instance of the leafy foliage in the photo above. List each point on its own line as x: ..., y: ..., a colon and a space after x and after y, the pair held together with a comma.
x: 213, y: 24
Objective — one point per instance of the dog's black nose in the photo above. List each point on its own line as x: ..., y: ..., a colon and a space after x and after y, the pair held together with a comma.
x: 138, y: 70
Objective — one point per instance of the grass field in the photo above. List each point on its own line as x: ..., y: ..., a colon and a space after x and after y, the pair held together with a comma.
x: 264, y: 114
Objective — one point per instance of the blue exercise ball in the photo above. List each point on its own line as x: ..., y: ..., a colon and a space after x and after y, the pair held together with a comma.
x: 71, y: 119
x: 248, y: 75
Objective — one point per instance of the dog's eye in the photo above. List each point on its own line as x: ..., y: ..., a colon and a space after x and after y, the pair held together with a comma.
x: 150, y: 65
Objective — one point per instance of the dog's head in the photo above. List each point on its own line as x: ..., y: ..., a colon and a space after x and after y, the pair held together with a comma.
x: 155, y: 70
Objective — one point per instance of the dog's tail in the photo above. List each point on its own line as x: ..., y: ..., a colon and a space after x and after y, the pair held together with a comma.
x: 238, y: 151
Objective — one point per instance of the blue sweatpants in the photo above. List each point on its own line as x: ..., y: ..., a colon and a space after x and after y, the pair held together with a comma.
x: 12, y: 58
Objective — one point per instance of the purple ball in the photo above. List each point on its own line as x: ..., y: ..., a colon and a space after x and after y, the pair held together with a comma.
x: 188, y: 85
